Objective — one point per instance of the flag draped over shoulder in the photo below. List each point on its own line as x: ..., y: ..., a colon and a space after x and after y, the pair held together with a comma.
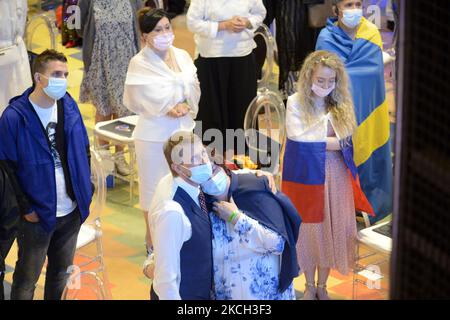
x: 363, y: 58
x: 304, y: 178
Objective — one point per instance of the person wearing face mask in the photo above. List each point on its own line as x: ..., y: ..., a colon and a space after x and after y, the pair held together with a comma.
x: 319, y: 174
x: 254, y: 235
x: 179, y: 223
x: 45, y: 143
x: 358, y: 43
x: 161, y: 86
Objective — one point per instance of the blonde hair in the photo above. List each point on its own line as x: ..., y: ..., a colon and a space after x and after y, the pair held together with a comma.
x: 172, y: 147
x: 339, y: 103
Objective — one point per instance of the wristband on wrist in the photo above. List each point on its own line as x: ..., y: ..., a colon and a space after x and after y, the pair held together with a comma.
x: 234, y: 217
x: 233, y: 214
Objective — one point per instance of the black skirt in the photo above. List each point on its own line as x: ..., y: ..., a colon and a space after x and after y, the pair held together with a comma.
x: 228, y: 85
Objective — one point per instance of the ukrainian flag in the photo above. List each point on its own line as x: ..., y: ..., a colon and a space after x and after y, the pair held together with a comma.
x: 363, y: 58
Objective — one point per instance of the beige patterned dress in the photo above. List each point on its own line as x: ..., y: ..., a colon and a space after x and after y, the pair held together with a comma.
x: 331, y: 244
x: 114, y: 46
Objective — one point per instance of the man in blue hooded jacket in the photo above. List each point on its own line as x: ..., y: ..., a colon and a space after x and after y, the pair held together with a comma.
x: 45, y: 143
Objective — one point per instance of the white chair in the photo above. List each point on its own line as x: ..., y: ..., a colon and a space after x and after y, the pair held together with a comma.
x: 271, y: 51
x: 46, y: 18
x: 368, y: 266
x: 92, y: 272
x: 265, y: 132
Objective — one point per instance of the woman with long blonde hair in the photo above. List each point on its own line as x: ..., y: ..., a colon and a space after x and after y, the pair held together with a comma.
x: 320, y: 123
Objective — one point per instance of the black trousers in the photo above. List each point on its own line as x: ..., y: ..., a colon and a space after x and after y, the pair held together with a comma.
x: 228, y: 85
x: 35, y: 244
x: 153, y: 295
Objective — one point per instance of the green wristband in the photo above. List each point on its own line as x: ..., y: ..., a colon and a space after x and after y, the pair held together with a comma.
x: 233, y: 215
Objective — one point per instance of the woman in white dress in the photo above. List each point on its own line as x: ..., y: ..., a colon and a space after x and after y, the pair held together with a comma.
x: 14, y: 65
x: 163, y: 89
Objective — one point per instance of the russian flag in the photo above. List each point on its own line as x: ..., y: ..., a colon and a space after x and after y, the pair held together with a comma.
x: 303, y: 178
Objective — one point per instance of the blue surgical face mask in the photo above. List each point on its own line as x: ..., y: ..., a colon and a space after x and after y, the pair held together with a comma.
x: 352, y: 17
x: 56, y: 88
x: 217, y: 185
x: 201, y: 174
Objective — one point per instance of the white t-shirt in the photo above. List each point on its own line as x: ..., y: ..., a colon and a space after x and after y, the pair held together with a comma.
x: 49, y: 119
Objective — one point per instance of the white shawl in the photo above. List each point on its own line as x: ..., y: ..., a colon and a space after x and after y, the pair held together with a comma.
x: 152, y: 89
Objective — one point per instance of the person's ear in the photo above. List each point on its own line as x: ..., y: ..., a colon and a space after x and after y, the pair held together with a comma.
x: 37, y: 78
x: 336, y: 11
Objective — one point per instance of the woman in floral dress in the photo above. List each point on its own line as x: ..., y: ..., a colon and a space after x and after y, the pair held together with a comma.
x: 110, y: 40
x: 254, y: 236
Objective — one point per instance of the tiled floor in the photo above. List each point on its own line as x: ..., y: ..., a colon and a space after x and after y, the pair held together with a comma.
x: 122, y: 221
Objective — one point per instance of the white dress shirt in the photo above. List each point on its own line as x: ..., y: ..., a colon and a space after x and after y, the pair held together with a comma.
x: 152, y: 89
x: 296, y: 128
x: 170, y: 228
x: 203, y: 19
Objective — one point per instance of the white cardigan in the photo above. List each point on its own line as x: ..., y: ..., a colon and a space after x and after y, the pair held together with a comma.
x: 152, y: 89
x: 297, y: 129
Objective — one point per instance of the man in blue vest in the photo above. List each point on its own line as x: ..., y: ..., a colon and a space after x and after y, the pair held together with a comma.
x: 45, y: 143
x: 179, y: 223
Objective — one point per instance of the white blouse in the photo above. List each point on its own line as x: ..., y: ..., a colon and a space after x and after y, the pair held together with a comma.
x: 203, y: 19
x: 170, y: 228
x: 152, y: 89
x: 296, y: 127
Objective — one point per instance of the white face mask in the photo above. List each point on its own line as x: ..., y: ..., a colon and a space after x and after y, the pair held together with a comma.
x: 201, y: 174
x: 352, y: 17
x: 56, y: 88
x: 163, y: 42
x: 217, y: 185
x: 321, y: 92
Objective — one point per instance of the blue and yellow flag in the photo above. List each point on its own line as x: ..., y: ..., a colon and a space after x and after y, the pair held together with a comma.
x: 363, y: 58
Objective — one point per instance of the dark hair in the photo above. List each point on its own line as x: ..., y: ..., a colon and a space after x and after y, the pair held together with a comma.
x: 148, y: 18
x: 41, y: 61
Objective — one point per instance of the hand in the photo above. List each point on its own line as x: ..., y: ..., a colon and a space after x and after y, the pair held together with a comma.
x: 232, y: 25
x: 32, y: 217
x: 245, y: 21
x: 270, y: 178
x: 239, y: 24
x: 149, y: 267
x: 180, y: 110
x: 224, y: 210
x: 183, y: 108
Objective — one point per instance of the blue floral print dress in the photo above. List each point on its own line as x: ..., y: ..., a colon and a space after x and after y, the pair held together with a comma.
x: 247, y: 261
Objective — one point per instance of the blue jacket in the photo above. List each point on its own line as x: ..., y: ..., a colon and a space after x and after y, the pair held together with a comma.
x: 24, y: 145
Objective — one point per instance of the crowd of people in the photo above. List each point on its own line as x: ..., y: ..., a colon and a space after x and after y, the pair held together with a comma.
x: 211, y: 232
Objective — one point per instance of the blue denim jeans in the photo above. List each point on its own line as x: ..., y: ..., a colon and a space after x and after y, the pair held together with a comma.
x: 35, y: 244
